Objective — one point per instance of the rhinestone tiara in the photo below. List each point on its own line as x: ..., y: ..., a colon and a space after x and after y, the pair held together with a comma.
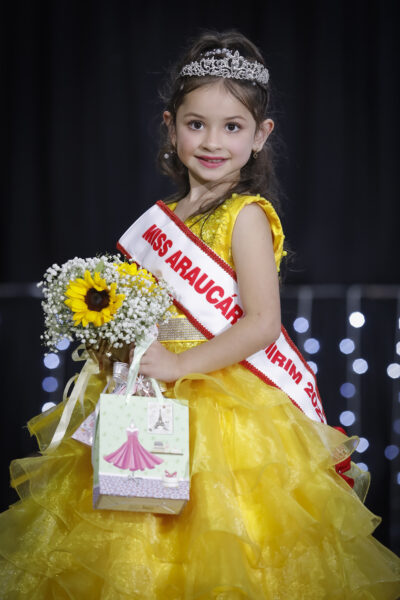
x: 231, y: 66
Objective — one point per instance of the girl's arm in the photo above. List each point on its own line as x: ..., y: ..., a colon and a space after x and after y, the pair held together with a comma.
x: 254, y: 260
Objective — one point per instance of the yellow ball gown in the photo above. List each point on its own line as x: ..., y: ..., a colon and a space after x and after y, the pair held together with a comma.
x: 268, y: 518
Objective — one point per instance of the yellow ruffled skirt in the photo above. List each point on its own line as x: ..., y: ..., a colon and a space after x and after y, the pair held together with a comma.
x: 268, y: 517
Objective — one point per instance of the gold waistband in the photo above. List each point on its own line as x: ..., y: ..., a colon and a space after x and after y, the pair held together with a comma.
x: 179, y: 329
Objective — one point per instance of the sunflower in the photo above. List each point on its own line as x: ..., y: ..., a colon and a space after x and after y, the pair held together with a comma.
x: 92, y: 300
x: 132, y: 270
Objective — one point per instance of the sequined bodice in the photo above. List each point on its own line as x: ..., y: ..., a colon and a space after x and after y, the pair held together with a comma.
x: 215, y: 229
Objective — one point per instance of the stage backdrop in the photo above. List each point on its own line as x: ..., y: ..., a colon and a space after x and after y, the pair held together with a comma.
x: 80, y: 114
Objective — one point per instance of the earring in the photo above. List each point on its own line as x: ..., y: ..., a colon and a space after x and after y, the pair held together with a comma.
x: 255, y: 154
x: 168, y: 155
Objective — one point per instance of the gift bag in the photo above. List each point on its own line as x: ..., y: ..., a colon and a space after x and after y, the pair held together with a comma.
x: 141, y: 450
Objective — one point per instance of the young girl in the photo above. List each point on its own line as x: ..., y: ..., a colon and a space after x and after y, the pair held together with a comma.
x: 269, y: 517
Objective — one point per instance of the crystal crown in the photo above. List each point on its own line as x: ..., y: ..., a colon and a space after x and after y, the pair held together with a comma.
x: 230, y: 66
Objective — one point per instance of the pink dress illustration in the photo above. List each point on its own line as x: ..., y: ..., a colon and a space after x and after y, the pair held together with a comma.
x: 132, y: 455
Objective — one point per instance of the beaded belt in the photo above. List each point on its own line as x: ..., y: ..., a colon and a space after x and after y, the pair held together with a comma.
x: 179, y: 329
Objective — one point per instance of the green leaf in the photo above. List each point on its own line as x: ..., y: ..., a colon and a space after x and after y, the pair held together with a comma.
x: 99, y: 267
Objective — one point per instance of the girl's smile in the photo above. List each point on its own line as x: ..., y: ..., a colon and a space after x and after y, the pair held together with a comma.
x: 211, y: 162
x: 215, y: 135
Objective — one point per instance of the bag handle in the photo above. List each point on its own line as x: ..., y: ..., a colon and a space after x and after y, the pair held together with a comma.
x: 156, y: 388
x: 140, y: 349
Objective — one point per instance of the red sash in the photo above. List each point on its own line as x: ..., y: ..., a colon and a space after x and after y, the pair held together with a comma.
x: 205, y: 289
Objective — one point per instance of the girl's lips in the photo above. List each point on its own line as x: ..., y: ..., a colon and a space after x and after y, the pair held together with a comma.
x: 211, y: 162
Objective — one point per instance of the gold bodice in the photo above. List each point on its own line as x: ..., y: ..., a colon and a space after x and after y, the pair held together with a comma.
x: 215, y: 229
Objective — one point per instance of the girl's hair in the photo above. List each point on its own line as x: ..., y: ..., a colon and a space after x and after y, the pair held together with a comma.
x: 258, y: 175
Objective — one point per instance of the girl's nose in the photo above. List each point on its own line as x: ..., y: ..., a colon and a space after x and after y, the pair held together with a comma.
x: 211, y: 140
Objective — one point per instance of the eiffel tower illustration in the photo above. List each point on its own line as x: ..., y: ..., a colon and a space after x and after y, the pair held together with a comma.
x: 160, y: 423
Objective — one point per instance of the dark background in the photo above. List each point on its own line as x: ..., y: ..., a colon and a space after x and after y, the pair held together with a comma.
x: 79, y: 118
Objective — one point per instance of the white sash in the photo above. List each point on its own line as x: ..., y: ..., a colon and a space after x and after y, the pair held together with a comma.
x: 206, y: 290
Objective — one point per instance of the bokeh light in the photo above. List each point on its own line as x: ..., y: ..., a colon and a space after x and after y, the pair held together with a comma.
x: 391, y: 452
x: 360, y: 366
x: 362, y: 466
x: 311, y: 346
x: 301, y: 325
x: 49, y: 384
x: 51, y: 361
x: 363, y: 445
x: 313, y: 366
x: 347, y: 390
x: 347, y: 346
x: 356, y: 319
x: 393, y: 371
x: 63, y: 344
x: 347, y: 417
x: 47, y: 406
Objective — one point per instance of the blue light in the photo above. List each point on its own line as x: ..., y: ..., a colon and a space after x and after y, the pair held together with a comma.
x: 396, y: 425
x: 347, y: 417
x: 393, y: 371
x: 311, y: 346
x: 391, y: 452
x: 362, y: 466
x: 313, y: 366
x: 360, y: 366
x: 51, y: 361
x: 347, y: 346
x: 63, y: 344
x: 49, y: 384
x: 356, y: 319
x: 301, y: 324
x: 347, y: 390
x: 363, y: 445
x: 47, y: 406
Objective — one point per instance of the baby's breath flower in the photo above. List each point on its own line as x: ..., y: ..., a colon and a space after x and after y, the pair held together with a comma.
x: 101, y: 298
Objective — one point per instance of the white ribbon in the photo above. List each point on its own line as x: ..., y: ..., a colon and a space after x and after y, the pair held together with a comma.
x: 89, y: 368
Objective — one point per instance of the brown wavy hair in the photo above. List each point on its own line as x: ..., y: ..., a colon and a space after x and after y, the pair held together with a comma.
x: 258, y: 175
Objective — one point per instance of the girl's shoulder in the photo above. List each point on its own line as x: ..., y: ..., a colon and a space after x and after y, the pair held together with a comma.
x: 216, y: 228
x: 237, y: 202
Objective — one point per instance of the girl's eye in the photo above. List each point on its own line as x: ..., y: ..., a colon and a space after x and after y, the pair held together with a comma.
x: 196, y: 125
x: 232, y: 127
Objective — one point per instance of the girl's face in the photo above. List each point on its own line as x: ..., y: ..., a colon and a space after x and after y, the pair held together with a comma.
x: 215, y: 134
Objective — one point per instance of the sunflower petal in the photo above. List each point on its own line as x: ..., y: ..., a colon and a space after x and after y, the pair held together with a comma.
x: 89, y: 279
x: 77, y: 305
x: 74, y: 293
x: 98, y: 320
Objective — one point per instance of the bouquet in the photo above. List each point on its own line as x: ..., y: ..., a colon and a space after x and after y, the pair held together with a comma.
x: 101, y: 301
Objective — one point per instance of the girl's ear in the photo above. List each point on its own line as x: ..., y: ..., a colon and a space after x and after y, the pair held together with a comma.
x: 168, y: 120
x: 262, y: 133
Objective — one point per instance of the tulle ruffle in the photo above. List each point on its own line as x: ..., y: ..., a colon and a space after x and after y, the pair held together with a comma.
x: 268, y: 517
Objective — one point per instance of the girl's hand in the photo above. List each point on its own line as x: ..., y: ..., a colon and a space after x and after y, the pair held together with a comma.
x: 159, y: 363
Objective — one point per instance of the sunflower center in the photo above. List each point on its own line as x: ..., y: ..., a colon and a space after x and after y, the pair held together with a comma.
x: 96, y: 300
